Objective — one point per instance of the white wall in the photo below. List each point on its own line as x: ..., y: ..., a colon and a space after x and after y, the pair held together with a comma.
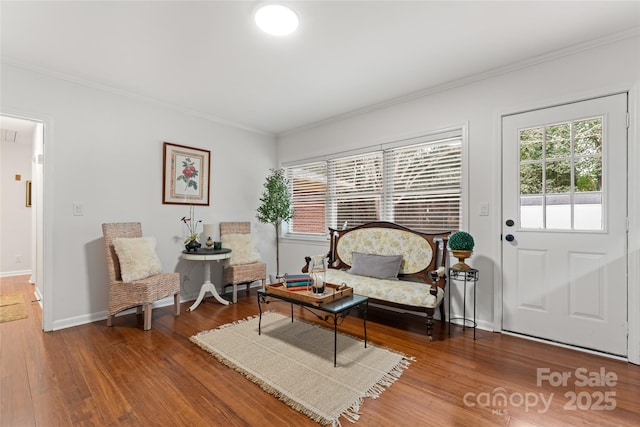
x: 15, y: 216
x: 589, y: 72
x: 105, y: 151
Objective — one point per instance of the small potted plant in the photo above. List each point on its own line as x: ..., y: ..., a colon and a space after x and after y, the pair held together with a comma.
x: 191, y: 241
x: 461, y: 244
x: 276, y: 206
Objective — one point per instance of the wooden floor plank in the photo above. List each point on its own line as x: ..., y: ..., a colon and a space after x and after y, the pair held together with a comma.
x: 95, y: 375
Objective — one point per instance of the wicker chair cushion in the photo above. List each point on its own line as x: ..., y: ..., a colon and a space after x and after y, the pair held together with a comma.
x: 243, y: 248
x: 137, y: 257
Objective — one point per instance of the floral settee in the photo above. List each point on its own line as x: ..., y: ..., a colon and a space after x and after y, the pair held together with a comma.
x: 392, y: 265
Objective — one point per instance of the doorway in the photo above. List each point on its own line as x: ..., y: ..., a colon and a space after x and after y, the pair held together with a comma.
x: 31, y: 133
x: 564, y: 224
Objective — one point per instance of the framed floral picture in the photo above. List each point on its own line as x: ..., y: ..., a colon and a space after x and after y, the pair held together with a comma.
x: 185, y: 175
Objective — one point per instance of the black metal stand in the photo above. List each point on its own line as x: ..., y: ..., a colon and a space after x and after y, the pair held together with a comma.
x: 464, y: 276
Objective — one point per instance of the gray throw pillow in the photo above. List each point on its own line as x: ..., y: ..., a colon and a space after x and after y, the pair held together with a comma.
x: 378, y: 266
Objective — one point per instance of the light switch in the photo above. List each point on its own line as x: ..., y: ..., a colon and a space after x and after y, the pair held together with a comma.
x: 78, y: 209
x: 484, y: 209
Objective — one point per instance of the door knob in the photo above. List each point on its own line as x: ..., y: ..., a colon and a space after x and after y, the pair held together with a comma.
x: 509, y: 238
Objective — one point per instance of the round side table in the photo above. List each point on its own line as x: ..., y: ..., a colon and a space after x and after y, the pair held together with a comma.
x: 206, y: 255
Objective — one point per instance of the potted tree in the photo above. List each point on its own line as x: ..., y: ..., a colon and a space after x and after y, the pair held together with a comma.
x: 275, y: 206
x: 461, y: 244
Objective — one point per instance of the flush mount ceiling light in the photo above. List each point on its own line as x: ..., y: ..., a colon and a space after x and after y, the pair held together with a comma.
x: 276, y: 19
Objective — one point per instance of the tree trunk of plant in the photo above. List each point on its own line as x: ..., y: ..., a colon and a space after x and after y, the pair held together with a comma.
x: 277, y: 249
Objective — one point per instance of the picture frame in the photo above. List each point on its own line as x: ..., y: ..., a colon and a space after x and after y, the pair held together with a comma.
x: 185, y: 175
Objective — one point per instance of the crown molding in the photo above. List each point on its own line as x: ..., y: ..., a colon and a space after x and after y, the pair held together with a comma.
x: 131, y: 95
x: 557, y: 54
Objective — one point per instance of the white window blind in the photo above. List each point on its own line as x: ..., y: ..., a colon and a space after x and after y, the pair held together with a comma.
x: 425, y: 185
x: 355, y: 189
x: 417, y: 186
x: 309, y: 190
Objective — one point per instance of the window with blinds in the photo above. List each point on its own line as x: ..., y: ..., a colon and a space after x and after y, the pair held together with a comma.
x: 355, y: 189
x: 309, y: 196
x: 425, y: 185
x: 417, y: 186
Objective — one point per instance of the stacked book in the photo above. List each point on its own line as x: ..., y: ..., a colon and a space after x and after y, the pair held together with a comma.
x: 297, y: 282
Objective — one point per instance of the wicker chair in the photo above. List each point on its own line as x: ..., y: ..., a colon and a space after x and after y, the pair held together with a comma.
x: 241, y: 274
x: 139, y: 293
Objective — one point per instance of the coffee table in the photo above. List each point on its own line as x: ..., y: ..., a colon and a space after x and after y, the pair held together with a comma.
x: 336, y: 311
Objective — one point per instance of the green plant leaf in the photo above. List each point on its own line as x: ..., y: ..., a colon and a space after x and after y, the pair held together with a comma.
x: 461, y: 241
x: 275, y: 202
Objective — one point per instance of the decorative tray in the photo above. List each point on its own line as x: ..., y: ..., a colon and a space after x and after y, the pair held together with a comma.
x: 332, y: 293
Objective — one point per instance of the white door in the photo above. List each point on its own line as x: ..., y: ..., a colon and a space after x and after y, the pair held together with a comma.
x: 564, y: 224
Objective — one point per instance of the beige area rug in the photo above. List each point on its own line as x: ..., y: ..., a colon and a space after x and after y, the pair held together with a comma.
x: 294, y: 362
x: 12, y: 307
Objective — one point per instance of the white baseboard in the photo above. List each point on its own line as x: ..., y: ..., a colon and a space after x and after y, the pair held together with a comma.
x: 14, y: 273
x: 102, y: 315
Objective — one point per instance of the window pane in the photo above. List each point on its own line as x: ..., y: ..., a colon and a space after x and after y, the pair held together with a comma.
x: 357, y: 211
x: 558, y: 141
x: 426, y: 167
x: 588, y: 136
x: 424, y: 185
x: 531, y: 178
x: 588, y: 174
x: 558, y: 177
x: 309, y: 187
x: 531, y: 215
x: 428, y: 214
x: 587, y: 213
x: 558, y: 212
x: 531, y: 144
x: 570, y: 198
x: 356, y: 188
x: 361, y: 174
x: 309, y: 217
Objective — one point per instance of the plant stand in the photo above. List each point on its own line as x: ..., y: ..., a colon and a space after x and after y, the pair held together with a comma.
x: 464, y: 276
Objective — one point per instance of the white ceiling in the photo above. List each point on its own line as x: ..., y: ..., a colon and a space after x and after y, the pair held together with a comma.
x: 207, y: 57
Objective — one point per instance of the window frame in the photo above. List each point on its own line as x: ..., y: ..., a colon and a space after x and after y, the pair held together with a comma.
x: 457, y: 132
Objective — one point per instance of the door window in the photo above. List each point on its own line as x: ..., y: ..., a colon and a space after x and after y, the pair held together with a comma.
x: 561, y: 176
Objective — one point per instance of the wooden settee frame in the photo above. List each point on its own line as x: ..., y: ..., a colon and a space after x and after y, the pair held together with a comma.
x: 429, y: 274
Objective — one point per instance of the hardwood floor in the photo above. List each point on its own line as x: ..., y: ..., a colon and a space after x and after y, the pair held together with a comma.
x: 98, y: 376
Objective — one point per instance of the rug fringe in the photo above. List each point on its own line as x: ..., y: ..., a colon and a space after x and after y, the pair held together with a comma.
x: 352, y: 414
x: 388, y: 379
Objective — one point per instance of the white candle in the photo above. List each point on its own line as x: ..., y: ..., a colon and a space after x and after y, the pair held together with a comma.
x: 209, y: 231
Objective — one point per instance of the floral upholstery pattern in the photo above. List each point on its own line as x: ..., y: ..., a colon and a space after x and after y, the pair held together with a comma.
x: 416, y: 252
x: 420, y: 254
x: 396, y: 291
